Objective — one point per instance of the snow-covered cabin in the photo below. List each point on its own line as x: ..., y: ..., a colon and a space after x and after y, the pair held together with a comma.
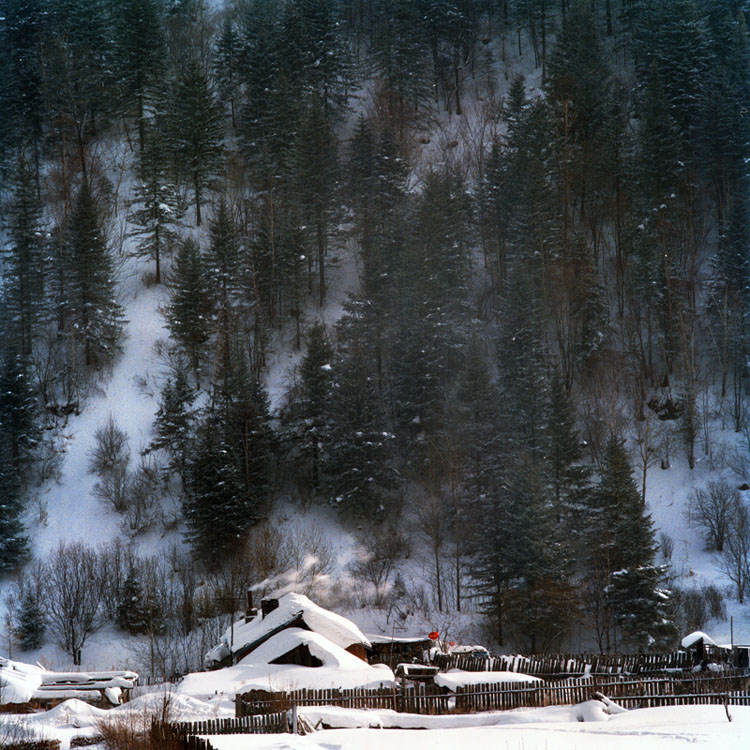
x: 291, y: 611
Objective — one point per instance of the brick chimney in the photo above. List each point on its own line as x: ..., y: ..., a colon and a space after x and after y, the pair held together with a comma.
x: 268, y: 605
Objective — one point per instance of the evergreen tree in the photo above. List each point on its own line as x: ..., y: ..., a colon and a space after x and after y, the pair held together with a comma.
x: 228, y: 479
x: 19, y: 426
x: 478, y: 419
x: 140, y: 52
x: 173, y: 425
x: 14, y: 544
x: 131, y: 611
x: 359, y: 456
x: 316, y: 174
x: 196, y: 131
x: 190, y: 304
x: 97, y: 317
x: 569, y: 475
x: 226, y: 64
x: 398, y: 54
x: 215, y: 505
x: 307, y: 414
x: 24, y: 262
x: 622, y: 577
x: 161, y: 208
x: 541, y: 604
x: 31, y: 625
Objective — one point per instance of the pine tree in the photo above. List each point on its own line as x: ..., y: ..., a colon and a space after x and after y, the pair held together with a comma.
x: 31, y: 625
x: 226, y: 64
x: 541, y: 603
x: 190, y: 304
x: 215, y: 505
x: 131, y: 611
x: 228, y: 470
x: 316, y: 176
x: 359, y: 456
x: 97, y: 316
x: 14, y: 544
x: 140, y: 52
x: 23, y: 272
x: 478, y: 418
x: 161, y: 208
x: 570, y: 477
x: 622, y: 577
x: 196, y: 130
x: 19, y: 426
x: 307, y: 414
x: 398, y: 55
x: 173, y: 425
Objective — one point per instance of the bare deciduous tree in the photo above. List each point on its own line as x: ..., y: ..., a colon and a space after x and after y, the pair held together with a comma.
x: 74, y: 596
x: 111, y: 450
x: 712, y: 509
x: 736, y: 557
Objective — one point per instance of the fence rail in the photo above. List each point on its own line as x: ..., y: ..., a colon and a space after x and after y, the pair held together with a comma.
x: 566, y: 664
x: 430, y: 699
x: 630, y: 693
x: 185, y: 735
x: 419, y: 698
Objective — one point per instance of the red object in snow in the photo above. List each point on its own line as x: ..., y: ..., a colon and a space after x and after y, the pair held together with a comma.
x: 434, y: 635
x: 452, y: 643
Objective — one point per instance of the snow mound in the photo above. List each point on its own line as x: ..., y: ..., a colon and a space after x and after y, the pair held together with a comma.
x: 18, y: 681
x: 455, y: 678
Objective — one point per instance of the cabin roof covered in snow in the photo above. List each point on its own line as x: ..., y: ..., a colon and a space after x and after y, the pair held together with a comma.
x: 693, y: 638
x: 292, y: 607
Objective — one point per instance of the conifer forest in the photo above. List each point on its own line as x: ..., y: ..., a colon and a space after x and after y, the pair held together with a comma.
x: 539, y: 214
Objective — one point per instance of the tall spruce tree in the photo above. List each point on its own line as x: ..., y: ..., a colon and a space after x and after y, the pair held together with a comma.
x: 308, y: 412
x: 160, y: 205
x: 97, y: 316
x: 196, y: 131
x: 629, y: 604
x: 31, y: 625
x: 190, y: 305
x: 24, y: 262
x: 20, y: 429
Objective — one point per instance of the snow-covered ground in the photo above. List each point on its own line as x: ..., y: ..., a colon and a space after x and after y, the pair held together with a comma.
x: 587, y: 726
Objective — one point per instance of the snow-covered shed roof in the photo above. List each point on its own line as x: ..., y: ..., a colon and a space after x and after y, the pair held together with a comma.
x: 293, y: 609
x: 693, y: 638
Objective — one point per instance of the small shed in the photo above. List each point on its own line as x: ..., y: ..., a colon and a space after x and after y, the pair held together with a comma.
x: 394, y: 650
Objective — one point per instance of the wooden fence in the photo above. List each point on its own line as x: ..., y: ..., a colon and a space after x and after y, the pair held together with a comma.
x: 185, y: 734
x: 629, y: 693
x: 419, y: 698
x: 564, y: 665
x: 429, y: 699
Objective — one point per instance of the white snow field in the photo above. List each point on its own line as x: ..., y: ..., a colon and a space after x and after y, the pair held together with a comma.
x: 587, y: 726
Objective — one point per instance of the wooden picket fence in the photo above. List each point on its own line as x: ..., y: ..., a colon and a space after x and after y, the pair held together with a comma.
x: 419, y: 698
x: 185, y: 734
x: 429, y: 699
x: 566, y: 665
x: 629, y: 693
